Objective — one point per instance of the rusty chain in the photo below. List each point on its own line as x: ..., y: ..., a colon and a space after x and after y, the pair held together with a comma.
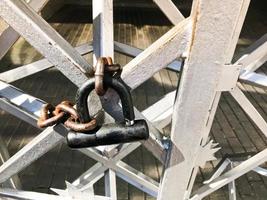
x: 104, y: 65
x: 66, y: 113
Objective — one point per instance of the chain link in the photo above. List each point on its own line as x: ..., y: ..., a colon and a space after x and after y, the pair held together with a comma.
x: 104, y: 65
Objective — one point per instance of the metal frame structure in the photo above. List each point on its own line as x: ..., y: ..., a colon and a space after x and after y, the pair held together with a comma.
x: 214, y: 24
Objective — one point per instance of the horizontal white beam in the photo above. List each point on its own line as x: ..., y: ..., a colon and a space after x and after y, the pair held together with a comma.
x: 170, y: 10
x: 45, y: 39
x: 38, y: 66
x: 127, y: 49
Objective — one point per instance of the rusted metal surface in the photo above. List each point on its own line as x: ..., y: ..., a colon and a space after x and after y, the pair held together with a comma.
x: 47, y: 118
x: 99, y: 75
x: 67, y: 107
x: 104, y: 65
x: 80, y: 127
x: 64, y: 113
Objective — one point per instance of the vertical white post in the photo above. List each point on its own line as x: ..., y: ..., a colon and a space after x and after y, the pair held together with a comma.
x: 110, y: 184
x: 231, y: 185
x: 215, y: 23
x: 103, y: 28
x: 103, y: 43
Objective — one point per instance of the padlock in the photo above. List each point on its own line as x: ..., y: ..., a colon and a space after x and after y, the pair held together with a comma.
x: 130, y: 130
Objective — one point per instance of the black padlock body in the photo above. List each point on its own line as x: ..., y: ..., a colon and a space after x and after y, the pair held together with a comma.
x: 109, y: 134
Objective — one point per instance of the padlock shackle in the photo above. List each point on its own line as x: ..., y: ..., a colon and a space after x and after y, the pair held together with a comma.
x: 115, y: 83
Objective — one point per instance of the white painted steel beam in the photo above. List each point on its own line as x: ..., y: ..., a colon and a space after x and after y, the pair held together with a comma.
x: 251, y: 61
x: 222, y: 167
x: 251, y: 111
x: 160, y: 113
x: 110, y: 184
x: 133, y: 52
x: 7, y: 39
x: 38, y: 66
x: 127, y: 49
x: 197, y: 89
x: 255, y: 55
x: 88, y: 178
x: 37, y: 147
x: 253, y: 78
x: 231, y: 175
x: 126, y: 172
x: 158, y: 55
x: 10, y: 36
x: 260, y: 171
x: 170, y: 10
x: 28, y: 103
x: 103, y: 36
x: 45, y: 39
x: 138, y: 179
x: 232, y: 186
x: 13, y: 182
x: 25, y: 195
x: 38, y: 5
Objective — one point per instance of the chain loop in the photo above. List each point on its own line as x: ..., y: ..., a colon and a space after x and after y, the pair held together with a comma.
x: 64, y: 113
x: 104, y: 65
x: 47, y: 118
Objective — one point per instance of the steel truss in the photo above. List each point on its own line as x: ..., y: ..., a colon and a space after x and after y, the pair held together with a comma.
x: 215, y: 24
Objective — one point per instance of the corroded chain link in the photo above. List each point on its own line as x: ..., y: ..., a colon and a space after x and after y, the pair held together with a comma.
x: 63, y: 113
x: 104, y: 65
x: 66, y: 113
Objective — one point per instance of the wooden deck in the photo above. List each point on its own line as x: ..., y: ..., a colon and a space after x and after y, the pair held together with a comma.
x: 232, y: 129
